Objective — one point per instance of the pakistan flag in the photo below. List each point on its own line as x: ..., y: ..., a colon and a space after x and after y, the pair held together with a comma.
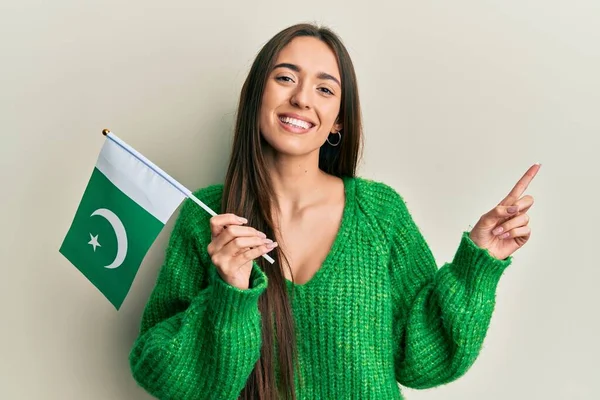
x: 125, y: 205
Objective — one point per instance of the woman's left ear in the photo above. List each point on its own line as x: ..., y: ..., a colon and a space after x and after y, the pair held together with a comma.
x: 337, y: 127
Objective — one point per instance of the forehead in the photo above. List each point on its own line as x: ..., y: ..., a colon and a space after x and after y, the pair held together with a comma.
x: 311, y: 55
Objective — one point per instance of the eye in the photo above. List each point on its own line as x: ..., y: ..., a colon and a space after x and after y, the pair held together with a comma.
x: 284, y: 79
x: 326, y: 91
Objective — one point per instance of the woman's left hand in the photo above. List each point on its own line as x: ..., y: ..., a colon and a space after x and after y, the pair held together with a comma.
x: 501, y: 231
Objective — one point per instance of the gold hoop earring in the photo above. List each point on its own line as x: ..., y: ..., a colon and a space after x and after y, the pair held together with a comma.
x: 338, y: 142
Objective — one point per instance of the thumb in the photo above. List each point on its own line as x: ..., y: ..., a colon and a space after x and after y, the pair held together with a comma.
x: 502, y: 212
x: 510, y: 210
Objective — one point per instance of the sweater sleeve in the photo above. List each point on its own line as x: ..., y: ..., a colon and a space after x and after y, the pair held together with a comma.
x: 200, y: 337
x: 441, y: 314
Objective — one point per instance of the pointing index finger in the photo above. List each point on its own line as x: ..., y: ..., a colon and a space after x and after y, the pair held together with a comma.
x: 517, y: 191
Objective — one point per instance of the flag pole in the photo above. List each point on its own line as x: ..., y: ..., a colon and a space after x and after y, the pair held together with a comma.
x: 110, y: 136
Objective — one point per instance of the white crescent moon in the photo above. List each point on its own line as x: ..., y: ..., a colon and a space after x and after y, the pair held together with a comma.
x: 119, y: 229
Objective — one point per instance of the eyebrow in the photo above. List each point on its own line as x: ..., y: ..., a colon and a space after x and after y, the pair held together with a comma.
x: 320, y: 75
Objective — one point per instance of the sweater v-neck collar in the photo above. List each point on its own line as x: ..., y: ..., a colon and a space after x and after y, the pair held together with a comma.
x: 340, y: 241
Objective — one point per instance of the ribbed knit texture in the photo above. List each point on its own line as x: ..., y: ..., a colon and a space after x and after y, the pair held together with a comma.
x: 377, y: 313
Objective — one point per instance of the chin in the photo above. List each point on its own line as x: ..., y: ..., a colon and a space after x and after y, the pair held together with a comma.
x: 290, y: 146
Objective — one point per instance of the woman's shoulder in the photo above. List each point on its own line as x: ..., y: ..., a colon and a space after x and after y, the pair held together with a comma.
x: 376, y: 194
x: 210, y: 195
x: 193, y: 215
x: 383, y: 205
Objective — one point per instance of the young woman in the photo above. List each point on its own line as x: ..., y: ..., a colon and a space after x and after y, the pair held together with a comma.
x: 354, y: 303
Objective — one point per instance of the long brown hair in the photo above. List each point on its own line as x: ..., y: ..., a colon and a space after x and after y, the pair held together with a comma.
x: 247, y: 193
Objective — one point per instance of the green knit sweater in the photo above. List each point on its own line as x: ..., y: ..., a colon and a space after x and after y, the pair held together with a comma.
x: 377, y: 313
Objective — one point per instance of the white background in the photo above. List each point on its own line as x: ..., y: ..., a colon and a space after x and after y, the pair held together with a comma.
x: 459, y: 99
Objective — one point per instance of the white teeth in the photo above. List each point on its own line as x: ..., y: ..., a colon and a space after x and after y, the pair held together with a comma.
x: 295, y: 122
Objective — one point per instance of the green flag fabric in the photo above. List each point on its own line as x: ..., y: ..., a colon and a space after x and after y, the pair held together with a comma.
x: 124, y: 207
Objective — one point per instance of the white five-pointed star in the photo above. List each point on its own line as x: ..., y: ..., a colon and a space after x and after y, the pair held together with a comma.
x: 94, y: 241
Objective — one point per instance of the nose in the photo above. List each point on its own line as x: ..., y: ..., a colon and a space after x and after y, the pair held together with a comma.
x: 301, y: 97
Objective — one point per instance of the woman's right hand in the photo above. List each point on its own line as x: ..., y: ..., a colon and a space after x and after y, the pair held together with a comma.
x: 233, y: 247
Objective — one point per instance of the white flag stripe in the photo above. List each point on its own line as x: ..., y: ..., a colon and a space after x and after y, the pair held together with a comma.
x: 140, y: 183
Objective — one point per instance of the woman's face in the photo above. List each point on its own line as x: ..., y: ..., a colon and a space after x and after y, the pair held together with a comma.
x: 302, y: 98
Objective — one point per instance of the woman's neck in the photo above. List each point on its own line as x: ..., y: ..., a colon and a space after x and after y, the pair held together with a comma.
x: 297, y: 181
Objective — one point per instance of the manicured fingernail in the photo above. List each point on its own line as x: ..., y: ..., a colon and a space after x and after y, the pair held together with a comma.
x: 507, y: 234
x: 272, y: 245
x: 513, y: 209
x: 498, y: 230
x: 242, y: 220
x: 262, y: 235
x: 266, y: 241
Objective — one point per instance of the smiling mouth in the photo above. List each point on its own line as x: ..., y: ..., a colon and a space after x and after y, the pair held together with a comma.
x: 296, y: 123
